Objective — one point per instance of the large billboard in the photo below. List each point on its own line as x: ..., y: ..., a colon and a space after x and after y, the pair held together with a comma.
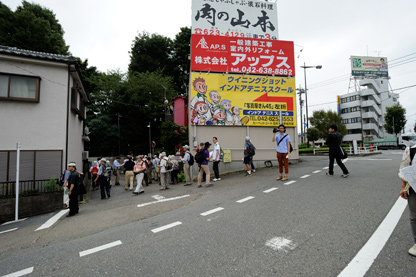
x: 362, y: 65
x: 242, y: 18
x: 242, y: 100
x: 242, y: 55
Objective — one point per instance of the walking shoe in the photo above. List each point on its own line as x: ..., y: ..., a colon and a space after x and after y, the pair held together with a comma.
x: 345, y: 175
x: 136, y: 193
x: 219, y: 179
x: 412, y: 250
x: 187, y: 185
x: 285, y: 178
x: 249, y: 175
x: 254, y: 170
x: 199, y: 186
x: 327, y: 174
x: 141, y: 192
x: 215, y: 179
x: 279, y: 178
x: 209, y: 185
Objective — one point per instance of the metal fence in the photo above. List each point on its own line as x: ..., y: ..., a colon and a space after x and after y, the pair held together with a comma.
x: 8, y: 189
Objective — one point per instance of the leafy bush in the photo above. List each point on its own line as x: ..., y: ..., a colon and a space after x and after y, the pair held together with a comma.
x: 181, y: 177
x: 51, y: 185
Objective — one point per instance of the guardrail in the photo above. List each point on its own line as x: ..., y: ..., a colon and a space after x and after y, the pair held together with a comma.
x: 8, y: 189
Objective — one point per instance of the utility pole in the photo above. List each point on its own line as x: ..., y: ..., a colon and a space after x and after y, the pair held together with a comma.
x: 301, y: 113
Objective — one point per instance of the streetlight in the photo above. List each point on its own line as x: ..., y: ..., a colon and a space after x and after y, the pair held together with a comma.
x: 150, y: 136
x: 306, y: 96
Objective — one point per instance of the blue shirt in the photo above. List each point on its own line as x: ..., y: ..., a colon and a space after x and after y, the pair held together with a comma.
x: 116, y: 164
x: 282, y: 146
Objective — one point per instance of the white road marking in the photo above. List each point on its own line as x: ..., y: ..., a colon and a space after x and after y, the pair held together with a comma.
x: 288, y: 183
x: 270, y: 190
x: 326, y: 167
x: 162, y: 200
x: 304, y: 176
x: 158, y: 197
x: 366, y: 256
x: 99, y: 248
x: 10, y: 230
x: 317, y: 171
x: 245, y: 199
x: 14, y: 221
x: 212, y: 211
x: 157, y: 230
x: 53, y: 220
x: 345, y: 160
x: 281, y: 244
x: 20, y: 273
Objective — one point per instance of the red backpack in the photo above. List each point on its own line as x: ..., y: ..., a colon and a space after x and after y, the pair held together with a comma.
x: 94, y: 170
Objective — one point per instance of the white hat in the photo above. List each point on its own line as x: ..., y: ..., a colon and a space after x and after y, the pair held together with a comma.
x: 103, y: 160
x: 72, y: 164
x: 186, y: 146
x: 163, y: 154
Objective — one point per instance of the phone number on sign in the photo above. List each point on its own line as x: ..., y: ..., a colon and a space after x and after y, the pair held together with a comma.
x: 218, y: 33
x: 263, y: 70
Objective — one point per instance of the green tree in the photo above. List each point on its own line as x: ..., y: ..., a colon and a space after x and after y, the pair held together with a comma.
x: 151, y: 53
x: 322, y: 119
x: 32, y: 27
x: 395, y: 119
x: 180, y: 60
x: 173, y: 136
x: 312, y: 134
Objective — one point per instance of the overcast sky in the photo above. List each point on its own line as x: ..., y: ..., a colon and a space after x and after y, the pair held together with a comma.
x: 328, y: 31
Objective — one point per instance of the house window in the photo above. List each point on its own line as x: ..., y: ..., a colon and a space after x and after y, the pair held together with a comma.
x: 20, y: 88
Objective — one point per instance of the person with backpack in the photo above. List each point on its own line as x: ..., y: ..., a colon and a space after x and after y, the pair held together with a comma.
x: 202, y: 158
x: 248, y: 154
x: 139, y: 172
x: 165, y: 167
x: 62, y: 181
x: 334, y: 143
x: 72, y: 188
x: 407, y: 192
x: 129, y: 174
x: 94, y: 171
x: 102, y: 180
x: 188, y: 161
x: 253, y: 152
x: 149, y: 168
x: 117, y: 167
x: 175, y: 170
x: 282, y: 151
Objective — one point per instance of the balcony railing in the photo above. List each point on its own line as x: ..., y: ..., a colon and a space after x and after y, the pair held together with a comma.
x: 8, y: 189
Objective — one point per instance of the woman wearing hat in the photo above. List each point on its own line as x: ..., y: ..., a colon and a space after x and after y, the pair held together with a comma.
x: 205, y: 167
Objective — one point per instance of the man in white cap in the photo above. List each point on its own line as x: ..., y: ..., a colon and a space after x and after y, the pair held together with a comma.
x: 72, y: 188
x: 164, y: 173
x: 102, y: 180
x: 187, y: 163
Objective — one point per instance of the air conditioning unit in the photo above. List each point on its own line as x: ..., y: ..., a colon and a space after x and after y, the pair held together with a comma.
x: 85, y: 155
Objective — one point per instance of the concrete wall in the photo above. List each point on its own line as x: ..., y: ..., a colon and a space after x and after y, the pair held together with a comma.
x: 232, y: 138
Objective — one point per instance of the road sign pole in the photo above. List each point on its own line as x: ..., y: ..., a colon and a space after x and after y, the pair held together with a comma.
x: 16, y: 218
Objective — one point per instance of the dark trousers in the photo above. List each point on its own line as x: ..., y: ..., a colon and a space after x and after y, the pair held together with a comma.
x: 73, y: 204
x: 216, y: 171
x: 174, y: 176
x: 104, y: 186
x: 146, y: 179
x: 251, y: 163
x: 339, y: 162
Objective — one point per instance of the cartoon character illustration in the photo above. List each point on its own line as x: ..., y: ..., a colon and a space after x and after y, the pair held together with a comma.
x: 201, y: 89
x: 226, y: 104
x: 215, y: 97
x: 219, y: 117
x: 236, y: 115
x: 199, y: 114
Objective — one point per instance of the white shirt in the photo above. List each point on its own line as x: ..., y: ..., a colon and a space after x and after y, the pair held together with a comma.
x: 215, y: 155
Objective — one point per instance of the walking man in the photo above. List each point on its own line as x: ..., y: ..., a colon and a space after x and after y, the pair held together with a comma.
x: 72, y: 188
x: 187, y: 166
x: 102, y: 180
x: 248, y: 150
x: 216, y: 159
x: 334, y: 143
x: 282, y: 151
x: 164, y: 173
x: 129, y: 174
x: 117, y: 166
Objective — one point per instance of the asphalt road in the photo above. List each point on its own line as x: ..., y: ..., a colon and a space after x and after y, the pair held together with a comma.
x: 243, y: 226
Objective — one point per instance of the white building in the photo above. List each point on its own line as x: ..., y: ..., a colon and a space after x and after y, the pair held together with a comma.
x: 363, y: 111
x: 42, y: 106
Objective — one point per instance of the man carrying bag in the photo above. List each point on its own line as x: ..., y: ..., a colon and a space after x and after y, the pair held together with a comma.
x: 336, y: 152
